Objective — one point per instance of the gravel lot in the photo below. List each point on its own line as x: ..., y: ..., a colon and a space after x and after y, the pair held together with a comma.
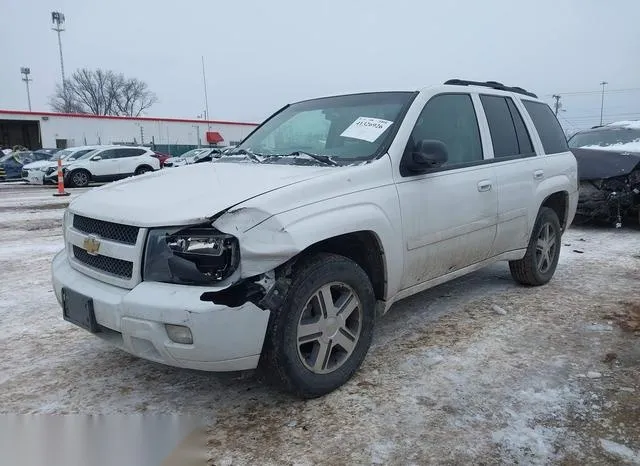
x: 476, y: 370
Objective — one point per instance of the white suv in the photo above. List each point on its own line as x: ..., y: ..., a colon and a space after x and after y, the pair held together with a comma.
x: 282, y: 254
x: 109, y: 163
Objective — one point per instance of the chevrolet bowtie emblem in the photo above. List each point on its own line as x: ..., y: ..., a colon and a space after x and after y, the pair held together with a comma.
x: 91, y: 244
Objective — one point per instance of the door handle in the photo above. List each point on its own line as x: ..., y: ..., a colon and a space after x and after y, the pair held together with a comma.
x: 538, y: 174
x: 484, y: 186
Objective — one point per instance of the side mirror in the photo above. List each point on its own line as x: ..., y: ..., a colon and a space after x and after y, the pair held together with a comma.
x: 428, y: 154
x: 95, y: 158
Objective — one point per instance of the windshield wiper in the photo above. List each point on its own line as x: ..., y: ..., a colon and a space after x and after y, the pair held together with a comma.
x: 252, y: 155
x: 320, y: 158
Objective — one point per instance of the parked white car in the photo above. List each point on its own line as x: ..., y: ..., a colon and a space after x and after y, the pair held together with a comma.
x: 284, y: 253
x: 194, y: 156
x: 109, y: 163
x: 37, y: 172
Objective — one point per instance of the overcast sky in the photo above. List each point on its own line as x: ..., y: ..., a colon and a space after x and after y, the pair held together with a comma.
x: 260, y: 55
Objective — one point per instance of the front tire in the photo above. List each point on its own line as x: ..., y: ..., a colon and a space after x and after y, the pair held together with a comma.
x: 320, y: 335
x: 539, y: 263
x: 79, y: 179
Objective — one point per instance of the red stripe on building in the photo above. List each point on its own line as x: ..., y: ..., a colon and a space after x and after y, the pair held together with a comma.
x: 112, y: 117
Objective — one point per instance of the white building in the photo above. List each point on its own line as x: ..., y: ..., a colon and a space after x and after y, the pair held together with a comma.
x: 35, y: 130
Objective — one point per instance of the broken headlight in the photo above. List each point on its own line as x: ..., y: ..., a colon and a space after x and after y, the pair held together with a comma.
x: 190, y: 256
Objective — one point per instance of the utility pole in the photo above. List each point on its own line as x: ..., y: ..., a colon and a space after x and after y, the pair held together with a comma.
x: 26, y: 72
x: 57, y: 19
x: 603, y: 83
x: 557, y: 105
x: 206, y: 99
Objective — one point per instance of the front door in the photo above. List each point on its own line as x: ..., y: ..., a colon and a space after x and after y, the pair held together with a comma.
x: 108, y: 165
x: 448, y: 215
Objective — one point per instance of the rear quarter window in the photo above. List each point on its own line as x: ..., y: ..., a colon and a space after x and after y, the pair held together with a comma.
x: 549, y: 129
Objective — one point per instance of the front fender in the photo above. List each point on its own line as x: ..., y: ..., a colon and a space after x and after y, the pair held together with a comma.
x: 269, y: 241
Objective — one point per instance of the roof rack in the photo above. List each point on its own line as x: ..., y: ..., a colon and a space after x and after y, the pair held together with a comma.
x: 492, y: 85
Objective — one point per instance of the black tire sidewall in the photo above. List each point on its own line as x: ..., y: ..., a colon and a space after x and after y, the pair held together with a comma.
x: 142, y: 170
x: 546, y: 215
x: 300, y: 379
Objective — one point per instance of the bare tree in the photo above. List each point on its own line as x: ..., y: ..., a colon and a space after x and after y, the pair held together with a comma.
x: 102, y: 92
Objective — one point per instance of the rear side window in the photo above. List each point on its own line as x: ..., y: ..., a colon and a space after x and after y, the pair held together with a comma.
x: 524, y: 141
x: 549, y: 129
x: 451, y: 119
x: 125, y: 153
x: 509, y: 134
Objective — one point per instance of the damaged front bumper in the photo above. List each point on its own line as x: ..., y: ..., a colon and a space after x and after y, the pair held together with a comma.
x: 610, y: 200
x: 224, y: 338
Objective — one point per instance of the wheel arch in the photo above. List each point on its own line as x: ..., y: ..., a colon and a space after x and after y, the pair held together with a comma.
x: 559, y: 203
x: 361, y: 232
x: 143, y: 165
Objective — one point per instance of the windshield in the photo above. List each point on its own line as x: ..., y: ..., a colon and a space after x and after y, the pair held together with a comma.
x: 612, y: 139
x: 63, y: 154
x: 6, y: 157
x: 89, y: 154
x: 345, y: 128
x: 193, y: 153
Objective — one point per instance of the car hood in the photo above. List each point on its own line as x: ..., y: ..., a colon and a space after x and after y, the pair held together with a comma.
x: 38, y: 164
x: 189, y: 195
x: 596, y: 164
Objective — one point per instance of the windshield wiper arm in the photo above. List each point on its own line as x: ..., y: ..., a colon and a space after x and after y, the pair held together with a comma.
x: 320, y: 158
x: 248, y: 153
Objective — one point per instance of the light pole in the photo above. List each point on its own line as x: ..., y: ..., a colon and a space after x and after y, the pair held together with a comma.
x: 57, y: 19
x: 26, y: 72
x: 206, y: 99
x: 603, y: 83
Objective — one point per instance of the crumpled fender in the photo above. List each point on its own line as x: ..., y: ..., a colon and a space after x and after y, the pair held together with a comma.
x: 267, y: 241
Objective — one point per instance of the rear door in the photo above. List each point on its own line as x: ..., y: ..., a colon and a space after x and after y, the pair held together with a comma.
x: 130, y: 159
x: 518, y: 171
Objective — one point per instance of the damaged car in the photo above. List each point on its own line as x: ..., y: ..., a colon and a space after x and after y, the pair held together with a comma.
x: 609, y: 171
x: 282, y: 254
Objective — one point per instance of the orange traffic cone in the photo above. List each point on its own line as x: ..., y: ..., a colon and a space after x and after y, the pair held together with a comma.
x: 61, y: 191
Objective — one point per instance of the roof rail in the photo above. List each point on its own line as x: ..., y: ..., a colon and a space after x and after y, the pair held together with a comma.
x: 492, y: 85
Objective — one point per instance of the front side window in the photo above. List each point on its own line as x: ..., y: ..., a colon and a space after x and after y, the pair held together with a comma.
x: 89, y: 154
x: 551, y: 134
x: 105, y: 154
x: 450, y: 119
x: 345, y: 128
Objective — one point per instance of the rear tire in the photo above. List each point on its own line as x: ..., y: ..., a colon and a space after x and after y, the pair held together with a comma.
x: 79, y: 178
x: 142, y: 170
x: 320, y: 335
x: 539, y: 263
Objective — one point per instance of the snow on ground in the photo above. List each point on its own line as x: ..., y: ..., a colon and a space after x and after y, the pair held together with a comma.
x: 550, y: 377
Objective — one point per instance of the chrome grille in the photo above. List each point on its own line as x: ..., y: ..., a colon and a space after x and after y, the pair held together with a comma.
x: 107, y: 230
x: 117, y: 267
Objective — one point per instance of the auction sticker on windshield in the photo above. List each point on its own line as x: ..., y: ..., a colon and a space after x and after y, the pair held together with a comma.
x: 366, y: 129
